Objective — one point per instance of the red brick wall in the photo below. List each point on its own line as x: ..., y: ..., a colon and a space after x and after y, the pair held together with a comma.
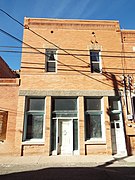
x: 5, y: 71
x: 8, y: 103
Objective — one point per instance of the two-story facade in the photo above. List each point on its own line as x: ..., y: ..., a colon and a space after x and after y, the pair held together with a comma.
x: 72, y: 96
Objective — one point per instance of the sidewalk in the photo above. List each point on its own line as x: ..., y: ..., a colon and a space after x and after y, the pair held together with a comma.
x: 67, y: 167
x: 93, y: 160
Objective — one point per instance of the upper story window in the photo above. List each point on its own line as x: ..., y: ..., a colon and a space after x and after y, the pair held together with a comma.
x: 50, y: 60
x: 95, y: 61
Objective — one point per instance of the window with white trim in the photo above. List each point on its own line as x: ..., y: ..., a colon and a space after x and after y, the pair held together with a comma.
x: 94, y: 127
x: 51, y: 60
x: 95, y: 61
x: 34, y: 119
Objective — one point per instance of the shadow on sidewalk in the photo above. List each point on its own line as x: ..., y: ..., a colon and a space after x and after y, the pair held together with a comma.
x: 74, y: 173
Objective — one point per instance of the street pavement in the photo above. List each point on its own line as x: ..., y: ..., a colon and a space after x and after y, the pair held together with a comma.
x: 93, y: 167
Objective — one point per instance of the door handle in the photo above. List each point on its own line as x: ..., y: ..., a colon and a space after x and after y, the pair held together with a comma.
x: 58, y: 139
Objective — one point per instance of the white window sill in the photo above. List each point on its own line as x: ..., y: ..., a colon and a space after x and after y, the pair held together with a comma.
x: 33, y: 143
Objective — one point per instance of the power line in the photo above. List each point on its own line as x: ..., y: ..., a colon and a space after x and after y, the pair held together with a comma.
x: 4, y: 32
x: 40, y: 35
x: 57, y: 60
x: 71, y: 49
x: 85, y: 55
x: 11, y: 17
x: 48, y: 42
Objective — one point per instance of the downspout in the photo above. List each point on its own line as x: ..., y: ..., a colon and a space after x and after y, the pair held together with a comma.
x: 124, y: 77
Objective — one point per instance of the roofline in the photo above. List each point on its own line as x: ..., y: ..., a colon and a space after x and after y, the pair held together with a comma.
x: 77, y: 20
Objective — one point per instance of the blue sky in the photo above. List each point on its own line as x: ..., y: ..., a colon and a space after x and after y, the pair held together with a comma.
x: 121, y: 10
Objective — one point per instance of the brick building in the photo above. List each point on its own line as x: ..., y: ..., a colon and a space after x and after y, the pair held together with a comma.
x: 76, y: 95
x: 9, y: 84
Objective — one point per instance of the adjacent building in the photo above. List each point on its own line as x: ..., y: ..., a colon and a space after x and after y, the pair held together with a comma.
x: 9, y: 84
x: 76, y: 93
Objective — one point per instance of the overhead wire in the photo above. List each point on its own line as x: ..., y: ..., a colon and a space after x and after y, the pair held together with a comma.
x: 30, y: 52
x: 71, y: 49
x: 41, y: 36
x: 48, y: 42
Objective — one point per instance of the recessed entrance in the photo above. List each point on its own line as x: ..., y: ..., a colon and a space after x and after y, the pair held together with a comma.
x: 65, y: 137
x: 117, y: 129
x: 64, y: 126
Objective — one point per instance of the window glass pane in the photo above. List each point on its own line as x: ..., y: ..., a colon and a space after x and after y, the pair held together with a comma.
x: 64, y: 104
x: 95, y: 67
x: 50, y: 54
x: 50, y: 66
x: 94, y: 56
x: 36, y: 104
x: 93, y: 126
x: 92, y: 104
x: 34, y: 126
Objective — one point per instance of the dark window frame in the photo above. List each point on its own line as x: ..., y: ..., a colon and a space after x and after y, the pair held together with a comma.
x: 51, y: 60
x: 95, y: 59
x: 88, y: 125
x: 33, y: 116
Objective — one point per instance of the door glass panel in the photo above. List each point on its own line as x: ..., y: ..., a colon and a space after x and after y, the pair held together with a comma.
x: 117, y: 125
x: 53, y: 135
x: 75, y: 134
x: 114, y: 103
x: 115, y: 117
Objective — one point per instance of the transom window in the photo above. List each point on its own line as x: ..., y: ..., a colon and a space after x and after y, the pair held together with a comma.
x: 66, y: 107
x: 34, y: 119
x: 95, y: 61
x: 51, y: 60
x: 93, y: 119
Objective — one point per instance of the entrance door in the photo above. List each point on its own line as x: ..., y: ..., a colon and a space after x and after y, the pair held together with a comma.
x: 65, y: 137
x: 117, y: 135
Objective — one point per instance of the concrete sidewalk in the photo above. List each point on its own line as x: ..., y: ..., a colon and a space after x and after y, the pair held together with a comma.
x: 93, y: 160
x: 67, y: 167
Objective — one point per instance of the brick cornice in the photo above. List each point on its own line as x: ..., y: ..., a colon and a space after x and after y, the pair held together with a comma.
x: 72, y: 24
